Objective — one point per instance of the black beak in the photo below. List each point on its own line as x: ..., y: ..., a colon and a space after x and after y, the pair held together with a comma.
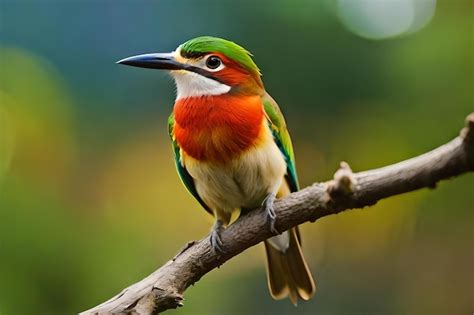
x: 164, y: 61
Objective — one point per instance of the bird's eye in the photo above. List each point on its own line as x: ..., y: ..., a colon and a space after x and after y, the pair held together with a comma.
x: 213, y: 62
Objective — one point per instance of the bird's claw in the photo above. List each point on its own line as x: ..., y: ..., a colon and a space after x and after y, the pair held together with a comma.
x: 215, y: 238
x: 216, y: 241
x: 267, y: 205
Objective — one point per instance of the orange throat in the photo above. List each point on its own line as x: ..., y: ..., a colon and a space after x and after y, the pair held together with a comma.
x: 218, y: 128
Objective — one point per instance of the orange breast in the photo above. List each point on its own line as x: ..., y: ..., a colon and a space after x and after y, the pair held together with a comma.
x: 218, y: 128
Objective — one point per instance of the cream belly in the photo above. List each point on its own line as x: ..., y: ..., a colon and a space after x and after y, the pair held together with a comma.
x: 243, y: 182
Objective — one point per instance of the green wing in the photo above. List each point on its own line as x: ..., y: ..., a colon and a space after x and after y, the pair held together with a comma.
x: 282, y: 139
x: 183, y: 173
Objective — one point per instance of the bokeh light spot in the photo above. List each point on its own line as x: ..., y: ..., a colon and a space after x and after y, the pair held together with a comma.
x: 380, y: 19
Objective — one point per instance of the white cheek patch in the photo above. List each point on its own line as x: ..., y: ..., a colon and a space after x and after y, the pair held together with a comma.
x: 189, y: 84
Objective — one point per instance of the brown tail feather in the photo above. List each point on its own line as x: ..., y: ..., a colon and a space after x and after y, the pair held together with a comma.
x: 287, y: 272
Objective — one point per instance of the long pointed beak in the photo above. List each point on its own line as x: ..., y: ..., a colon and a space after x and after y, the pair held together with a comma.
x: 165, y: 61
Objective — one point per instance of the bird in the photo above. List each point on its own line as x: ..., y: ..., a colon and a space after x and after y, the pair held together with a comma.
x: 232, y: 148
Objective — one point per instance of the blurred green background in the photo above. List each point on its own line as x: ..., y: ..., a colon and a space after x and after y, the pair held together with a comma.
x: 89, y: 198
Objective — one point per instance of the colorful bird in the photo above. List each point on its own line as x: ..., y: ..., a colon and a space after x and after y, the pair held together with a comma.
x: 232, y: 148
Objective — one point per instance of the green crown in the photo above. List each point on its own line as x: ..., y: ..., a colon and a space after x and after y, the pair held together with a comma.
x: 200, y: 46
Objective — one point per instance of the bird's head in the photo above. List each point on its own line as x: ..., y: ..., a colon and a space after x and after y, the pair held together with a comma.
x: 206, y: 66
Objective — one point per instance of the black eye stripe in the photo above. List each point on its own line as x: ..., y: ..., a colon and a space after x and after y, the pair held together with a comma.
x: 192, y: 55
x: 201, y: 71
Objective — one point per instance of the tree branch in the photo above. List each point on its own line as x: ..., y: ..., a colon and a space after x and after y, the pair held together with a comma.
x: 163, y: 289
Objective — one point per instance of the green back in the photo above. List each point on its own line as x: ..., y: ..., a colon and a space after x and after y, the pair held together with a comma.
x: 282, y: 139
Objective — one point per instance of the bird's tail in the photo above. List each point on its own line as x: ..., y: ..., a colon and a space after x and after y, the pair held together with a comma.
x: 287, y: 272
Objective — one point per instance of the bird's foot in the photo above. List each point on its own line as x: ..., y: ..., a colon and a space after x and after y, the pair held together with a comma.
x: 267, y: 205
x: 215, y: 237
